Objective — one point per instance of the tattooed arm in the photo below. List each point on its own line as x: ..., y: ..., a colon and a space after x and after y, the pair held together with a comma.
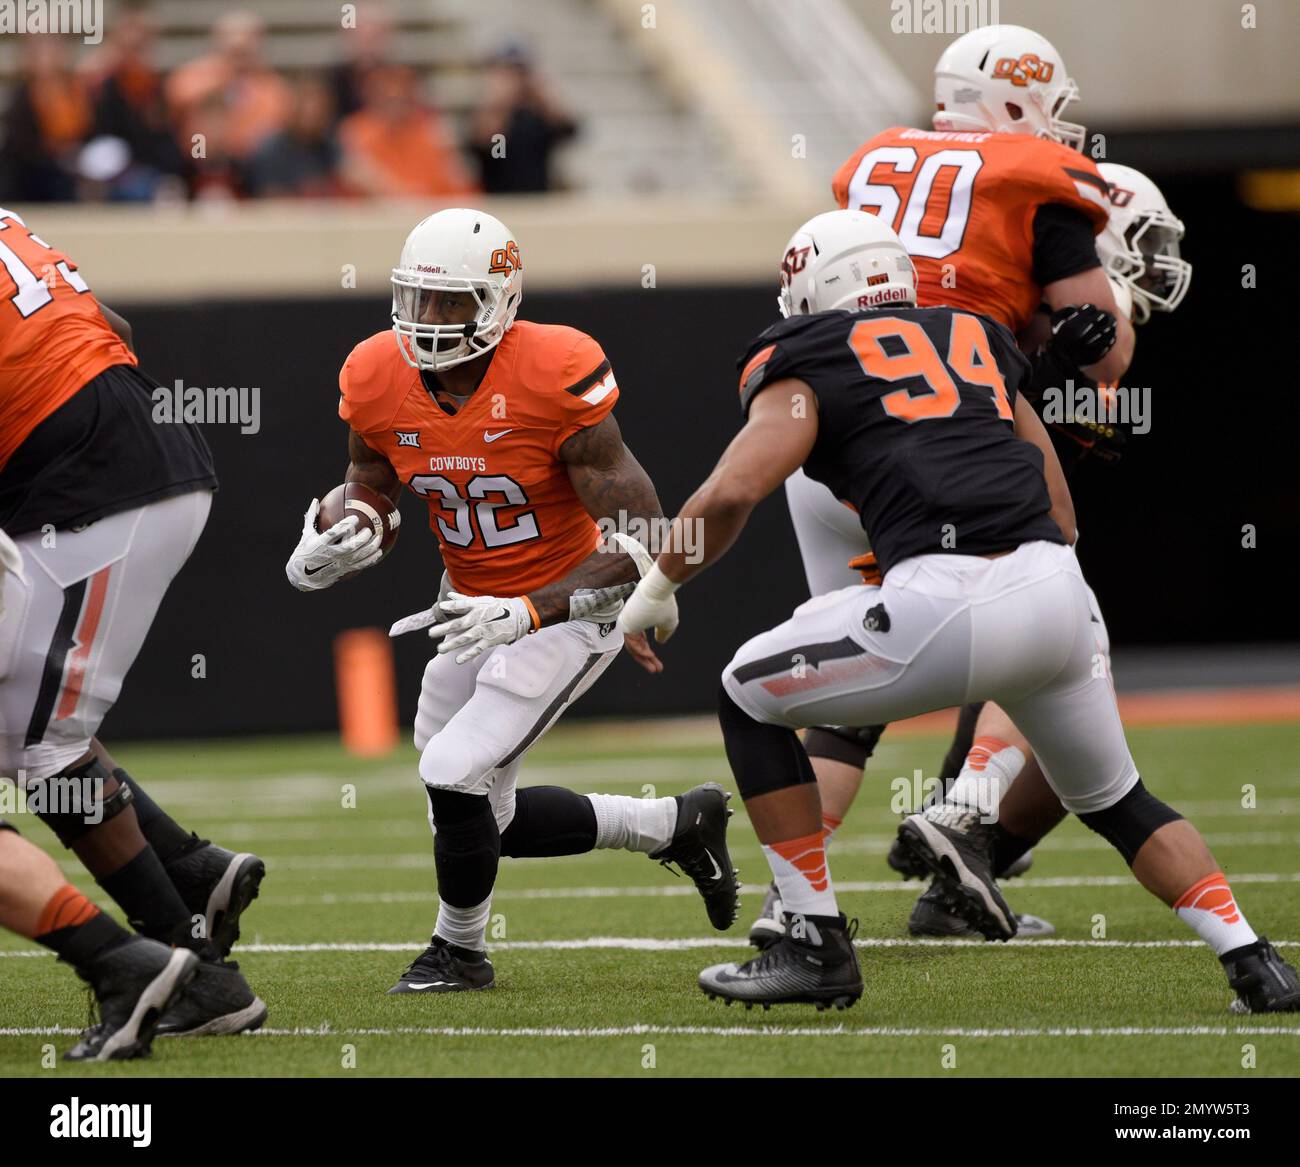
x: 612, y: 486
x: 370, y: 468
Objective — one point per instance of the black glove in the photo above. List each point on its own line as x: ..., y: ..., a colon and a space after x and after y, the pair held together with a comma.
x: 1082, y: 334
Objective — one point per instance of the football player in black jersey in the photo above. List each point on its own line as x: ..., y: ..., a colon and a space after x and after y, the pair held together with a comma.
x: 915, y: 417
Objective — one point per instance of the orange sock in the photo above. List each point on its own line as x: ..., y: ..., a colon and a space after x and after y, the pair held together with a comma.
x: 1210, y: 908
x: 66, y: 908
x: 800, y: 870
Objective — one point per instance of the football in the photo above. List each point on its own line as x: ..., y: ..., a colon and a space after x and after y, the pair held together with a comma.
x: 371, y: 508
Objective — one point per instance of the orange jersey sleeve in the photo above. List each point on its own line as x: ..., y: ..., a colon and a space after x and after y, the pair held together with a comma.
x: 963, y: 205
x: 53, y: 337
x: 501, y: 503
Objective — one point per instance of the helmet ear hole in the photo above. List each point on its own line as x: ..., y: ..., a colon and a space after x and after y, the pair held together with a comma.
x: 804, y: 308
x: 1016, y: 112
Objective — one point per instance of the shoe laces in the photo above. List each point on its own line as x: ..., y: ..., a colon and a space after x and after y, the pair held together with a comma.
x: 435, y: 958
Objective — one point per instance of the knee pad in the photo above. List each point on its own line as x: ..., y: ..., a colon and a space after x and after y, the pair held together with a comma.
x: 764, y: 758
x: 1131, y: 821
x: 73, y: 803
x: 466, y: 846
x: 842, y: 743
x: 450, y: 762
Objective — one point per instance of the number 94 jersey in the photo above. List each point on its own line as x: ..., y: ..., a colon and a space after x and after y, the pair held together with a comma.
x: 964, y: 204
x: 915, y: 414
x: 500, y: 501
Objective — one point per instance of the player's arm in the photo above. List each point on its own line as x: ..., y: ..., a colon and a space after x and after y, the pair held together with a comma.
x: 1029, y: 428
x: 612, y: 486
x: 371, y: 468
x: 776, y: 440
x: 118, y: 324
x: 1092, y: 287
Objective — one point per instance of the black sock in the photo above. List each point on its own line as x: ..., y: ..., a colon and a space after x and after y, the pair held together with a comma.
x: 1007, y: 848
x: 142, y: 889
x: 168, y: 840
x: 79, y: 944
x: 466, y: 846
x: 550, y: 820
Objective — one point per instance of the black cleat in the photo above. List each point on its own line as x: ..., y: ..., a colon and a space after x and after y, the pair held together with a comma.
x: 134, y: 984
x: 1263, y: 981
x: 217, y: 1002
x: 958, y: 855
x: 813, y: 963
x: 699, y: 848
x: 900, y: 858
x: 218, y: 885
x: 770, y: 925
x: 446, y: 968
x: 931, y: 917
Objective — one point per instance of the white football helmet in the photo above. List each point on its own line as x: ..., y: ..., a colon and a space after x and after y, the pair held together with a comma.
x: 457, y: 250
x: 844, y: 259
x: 1006, y: 79
x: 1139, y: 246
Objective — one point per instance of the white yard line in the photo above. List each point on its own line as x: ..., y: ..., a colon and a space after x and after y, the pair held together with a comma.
x: 681, y: 944
x: 877, y: 1031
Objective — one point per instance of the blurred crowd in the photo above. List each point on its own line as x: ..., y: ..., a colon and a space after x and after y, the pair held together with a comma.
x: 109, y: 125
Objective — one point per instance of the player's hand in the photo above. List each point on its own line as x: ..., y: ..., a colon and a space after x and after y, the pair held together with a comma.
x: 1082, y: 333
x: 322, y: 558
x: 638, y: 648
x: 652, y: 605
x: 477, y: 623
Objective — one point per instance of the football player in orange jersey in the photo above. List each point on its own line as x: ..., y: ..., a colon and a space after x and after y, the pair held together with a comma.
x: 999, y: 211
x: 505, y: 428
x: 104, y: 506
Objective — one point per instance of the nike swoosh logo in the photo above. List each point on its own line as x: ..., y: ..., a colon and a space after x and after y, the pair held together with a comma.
x: 717, y: 871
x: 429, y: 985
x: 487, y: 437
x: 314, y: 570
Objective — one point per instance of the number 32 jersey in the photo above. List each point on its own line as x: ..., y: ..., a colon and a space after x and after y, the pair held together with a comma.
x: 915, y: 410
x: 964, y: 205
x: 501, y: 504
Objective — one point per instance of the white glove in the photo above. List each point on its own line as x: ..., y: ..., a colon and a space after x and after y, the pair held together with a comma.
x: 652, y: 605
x: 474, y: 623
x: 322, y: 558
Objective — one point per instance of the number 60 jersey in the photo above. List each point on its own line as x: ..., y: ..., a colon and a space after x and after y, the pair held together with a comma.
x: 500, y: 501
x: 915, y: 414
x: 967, y: 208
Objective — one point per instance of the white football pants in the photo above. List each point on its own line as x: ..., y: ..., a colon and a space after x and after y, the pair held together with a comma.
x: 72, y: 629
x: 475, y: 721
x: 946, y: 630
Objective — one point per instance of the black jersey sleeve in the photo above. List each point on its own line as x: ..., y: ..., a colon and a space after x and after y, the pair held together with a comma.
x: 766, y: 360
x: 1064, y: 244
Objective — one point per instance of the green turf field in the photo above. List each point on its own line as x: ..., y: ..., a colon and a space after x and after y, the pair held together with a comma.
x: 596, y: 955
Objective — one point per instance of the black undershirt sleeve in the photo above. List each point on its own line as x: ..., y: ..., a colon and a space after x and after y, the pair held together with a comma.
x: 1064, y: 244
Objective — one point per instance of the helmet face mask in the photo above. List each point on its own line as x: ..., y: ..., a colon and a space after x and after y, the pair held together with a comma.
x: 456, y: 289
x: 1140, y: 244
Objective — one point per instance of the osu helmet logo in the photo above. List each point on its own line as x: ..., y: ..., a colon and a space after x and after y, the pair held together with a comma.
x: 505, y: 260
x: 1119, y: 197
x: 796, y: 259
x: 1022, y: 71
